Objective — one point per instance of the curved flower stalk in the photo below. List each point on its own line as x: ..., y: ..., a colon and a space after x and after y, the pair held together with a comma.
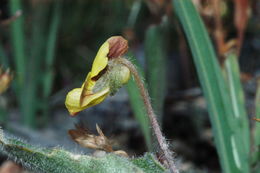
x: 109, y: 72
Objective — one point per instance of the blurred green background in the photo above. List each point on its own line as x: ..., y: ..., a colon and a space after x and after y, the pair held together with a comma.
x: 50, y: 47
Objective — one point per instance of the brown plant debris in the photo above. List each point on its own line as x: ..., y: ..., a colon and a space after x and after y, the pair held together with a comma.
x: 97, y: 142
x: 84, y: 138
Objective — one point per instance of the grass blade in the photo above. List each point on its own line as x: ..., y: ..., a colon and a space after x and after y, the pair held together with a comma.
x: 17, y: 36
x: 31, y: 102
x: 155, y: 56
x: 3, y: 58
x: 50, y: 48
x: 257, y: 113
x: 134, y: 13
x: 256, y: 147
x: 235, y: 90
x: 214, y: 88
x: 48, y: 75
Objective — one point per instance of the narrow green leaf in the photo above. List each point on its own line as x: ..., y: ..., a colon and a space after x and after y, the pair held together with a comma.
x: 138, y: 109
x: 256, y: 133
x: 214, y: 88
x: 30, y: 100
x: 134, y: 13
x: 21, y: 59
x: 155, y: 56
x: 17, y: 37
x: 48, y: 75
x: 50, y: 48
x: 4, y: 61
x: 257, y: 114
x: 239, y: 118
x: 3, y: 115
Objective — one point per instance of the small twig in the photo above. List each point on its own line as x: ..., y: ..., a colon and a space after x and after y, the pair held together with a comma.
x: 155, y: 126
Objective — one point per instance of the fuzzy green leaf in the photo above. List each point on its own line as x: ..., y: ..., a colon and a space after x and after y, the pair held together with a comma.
x: 57, y: 160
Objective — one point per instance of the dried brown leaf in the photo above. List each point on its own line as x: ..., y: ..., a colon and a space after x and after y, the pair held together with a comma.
x: 240, y: 20
x: 82, y: 136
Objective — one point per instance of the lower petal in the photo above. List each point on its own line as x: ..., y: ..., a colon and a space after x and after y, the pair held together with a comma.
x: 75, y: 103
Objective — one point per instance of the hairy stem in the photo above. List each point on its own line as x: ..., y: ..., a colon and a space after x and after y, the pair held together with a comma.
x: 152, y: 117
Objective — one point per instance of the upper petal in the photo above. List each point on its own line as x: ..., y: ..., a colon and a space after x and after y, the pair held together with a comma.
x: 101, y: 60
x: 99, y: 64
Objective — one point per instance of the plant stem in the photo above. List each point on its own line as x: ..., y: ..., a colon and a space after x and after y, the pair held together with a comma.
x: 151, y: 115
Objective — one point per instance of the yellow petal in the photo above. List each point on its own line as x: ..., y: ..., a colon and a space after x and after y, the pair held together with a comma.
x: 73, y: 100
x: 101, y: 60
x: 99, y: 64
x: 96, y: 98
x: 88, y: 84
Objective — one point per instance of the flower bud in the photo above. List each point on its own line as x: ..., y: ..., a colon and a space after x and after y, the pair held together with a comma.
x: 118, y: 46
x: 118, y: 75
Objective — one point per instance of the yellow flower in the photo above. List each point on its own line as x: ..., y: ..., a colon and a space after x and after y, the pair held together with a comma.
x: 105, y: 77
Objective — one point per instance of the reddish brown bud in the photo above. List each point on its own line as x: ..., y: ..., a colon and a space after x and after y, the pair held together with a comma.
x: 118, y: 46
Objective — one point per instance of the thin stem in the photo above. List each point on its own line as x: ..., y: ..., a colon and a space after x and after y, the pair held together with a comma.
x: 155, y: 126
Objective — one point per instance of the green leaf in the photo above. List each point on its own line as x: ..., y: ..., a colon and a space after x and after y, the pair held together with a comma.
x: 4, y: 61
x: 57, y: 160
x: 30, y: 92
x: 135, y: 10
x: 257, y: 113
x: 48, y: 75
x: 256, y: 146
x: 239, y: 118
x: 17, y: 36
x: 148, y: 163
x: 231, y: 154
x: 155, y: 56
x: 50, y: 48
